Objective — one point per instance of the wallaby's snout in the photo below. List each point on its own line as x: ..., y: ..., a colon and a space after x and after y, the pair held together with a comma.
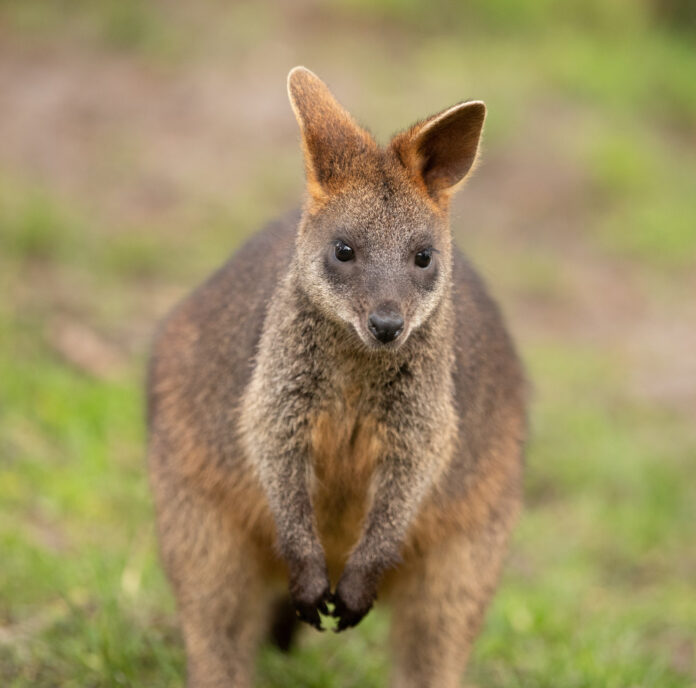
x: 386, y: 323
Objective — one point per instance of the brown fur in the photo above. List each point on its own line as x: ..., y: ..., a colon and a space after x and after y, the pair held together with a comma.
x: 292, y: 451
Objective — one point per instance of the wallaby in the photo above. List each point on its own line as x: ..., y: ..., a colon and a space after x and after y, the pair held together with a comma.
x: 338, y: 414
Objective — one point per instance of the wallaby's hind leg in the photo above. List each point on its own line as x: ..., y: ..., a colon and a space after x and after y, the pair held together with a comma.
x: 222, y: 599
x: 438, y: 605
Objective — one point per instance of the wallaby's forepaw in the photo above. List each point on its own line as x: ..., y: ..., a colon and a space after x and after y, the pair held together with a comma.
x: 310, y: 591
x: 355, y: 594
x: 309, y: 611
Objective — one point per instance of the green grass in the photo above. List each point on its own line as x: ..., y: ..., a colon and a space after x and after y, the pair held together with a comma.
x: 643, y: 188
x: 598, y: 590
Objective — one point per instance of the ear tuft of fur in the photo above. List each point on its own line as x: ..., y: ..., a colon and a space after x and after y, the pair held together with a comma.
x: 299, y: 79
x: 441, y: 151
x: 331, y: 139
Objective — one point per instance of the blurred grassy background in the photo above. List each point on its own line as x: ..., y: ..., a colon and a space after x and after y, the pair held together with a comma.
x: 141, y: 142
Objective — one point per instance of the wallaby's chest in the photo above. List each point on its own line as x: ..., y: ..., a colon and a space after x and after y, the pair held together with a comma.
x: 346, y: 443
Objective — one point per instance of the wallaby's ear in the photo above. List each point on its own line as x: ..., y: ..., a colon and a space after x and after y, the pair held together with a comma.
x: 331, y: 139
x: 441, y: 151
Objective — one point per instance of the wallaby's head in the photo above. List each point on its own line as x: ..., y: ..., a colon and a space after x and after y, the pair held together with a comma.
x: 374, y: 249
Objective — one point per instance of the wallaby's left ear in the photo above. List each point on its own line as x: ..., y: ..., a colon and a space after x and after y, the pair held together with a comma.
x: 441, y: 151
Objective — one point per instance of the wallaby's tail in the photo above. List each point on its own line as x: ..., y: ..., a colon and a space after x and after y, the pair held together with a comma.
x: 284, y: 624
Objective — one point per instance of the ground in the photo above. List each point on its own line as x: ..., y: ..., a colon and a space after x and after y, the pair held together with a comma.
x: 141, y: 143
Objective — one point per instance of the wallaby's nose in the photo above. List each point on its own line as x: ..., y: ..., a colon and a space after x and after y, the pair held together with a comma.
x: 386, y: 326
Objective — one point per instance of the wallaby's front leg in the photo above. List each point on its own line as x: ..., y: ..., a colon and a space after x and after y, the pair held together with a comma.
x: 413, y: 460
x: 284, y: 469
x: 277, y: 435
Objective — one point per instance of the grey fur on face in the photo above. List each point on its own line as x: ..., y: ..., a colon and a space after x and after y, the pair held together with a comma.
x: 385, y: 230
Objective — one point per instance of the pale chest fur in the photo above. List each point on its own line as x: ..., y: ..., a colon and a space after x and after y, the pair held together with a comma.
x: 346, y: 443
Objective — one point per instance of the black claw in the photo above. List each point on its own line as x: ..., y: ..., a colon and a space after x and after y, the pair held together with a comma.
x: 347, y: 618
x: 308, y: 612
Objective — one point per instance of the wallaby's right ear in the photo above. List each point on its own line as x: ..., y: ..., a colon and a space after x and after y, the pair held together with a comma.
x: 331, y: 139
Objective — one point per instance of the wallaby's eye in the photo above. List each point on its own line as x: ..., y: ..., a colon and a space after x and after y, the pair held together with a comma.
x: 424, y: 257
x: 343, y: 252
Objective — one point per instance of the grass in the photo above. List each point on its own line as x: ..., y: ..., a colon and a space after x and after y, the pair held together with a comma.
x: 648, y: 211
x: 598, y: 587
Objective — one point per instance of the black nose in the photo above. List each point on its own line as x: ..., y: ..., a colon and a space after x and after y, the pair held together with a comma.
x: 386, y: 327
